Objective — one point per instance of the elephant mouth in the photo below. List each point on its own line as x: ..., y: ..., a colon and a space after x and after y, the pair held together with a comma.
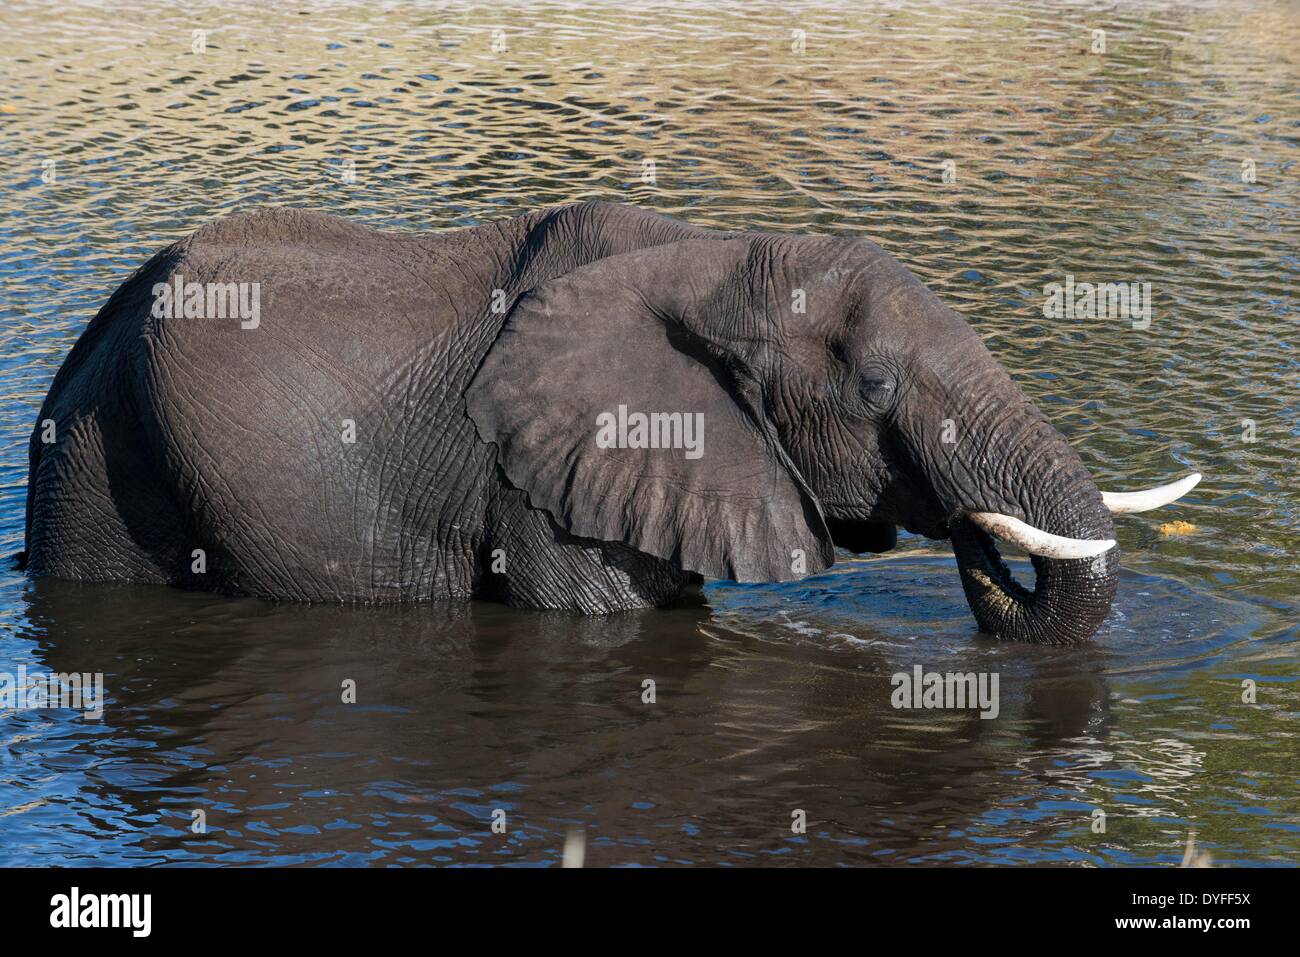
x: 978, y: 552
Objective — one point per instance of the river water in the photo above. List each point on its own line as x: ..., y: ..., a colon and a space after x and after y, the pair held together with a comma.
x: 1170, y: 158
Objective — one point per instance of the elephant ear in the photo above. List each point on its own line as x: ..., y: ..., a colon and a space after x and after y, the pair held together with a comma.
x: 648, y: 332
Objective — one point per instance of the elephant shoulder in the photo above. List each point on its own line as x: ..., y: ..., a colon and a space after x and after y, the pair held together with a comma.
x: 605, y: 228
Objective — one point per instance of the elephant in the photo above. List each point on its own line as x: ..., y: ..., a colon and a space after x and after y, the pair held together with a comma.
x: 589, y: 407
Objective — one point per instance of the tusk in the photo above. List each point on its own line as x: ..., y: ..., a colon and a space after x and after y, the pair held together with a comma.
x: 1037, y: 542
x: 1121, y: 503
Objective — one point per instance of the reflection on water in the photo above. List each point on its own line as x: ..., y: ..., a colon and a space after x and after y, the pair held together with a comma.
x: 1122, y: 167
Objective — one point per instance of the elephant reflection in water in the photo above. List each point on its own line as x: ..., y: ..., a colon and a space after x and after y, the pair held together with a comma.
x: 236, y: 708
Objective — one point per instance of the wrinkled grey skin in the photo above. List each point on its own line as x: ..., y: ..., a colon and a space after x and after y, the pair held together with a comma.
x: 475, y: 427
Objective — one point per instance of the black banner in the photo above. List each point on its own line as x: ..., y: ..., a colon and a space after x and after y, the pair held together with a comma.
x: 332, y: 905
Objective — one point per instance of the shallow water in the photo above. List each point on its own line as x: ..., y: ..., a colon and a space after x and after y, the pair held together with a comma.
x: 1125, y: 166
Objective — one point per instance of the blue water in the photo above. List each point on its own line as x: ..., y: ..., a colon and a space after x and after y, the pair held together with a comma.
x: 770, y: 699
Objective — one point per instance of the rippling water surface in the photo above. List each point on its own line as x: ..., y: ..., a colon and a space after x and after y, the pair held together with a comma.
x: 1123, y: 166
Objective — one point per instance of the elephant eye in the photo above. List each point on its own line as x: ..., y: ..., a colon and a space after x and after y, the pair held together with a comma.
x: 875, y: 386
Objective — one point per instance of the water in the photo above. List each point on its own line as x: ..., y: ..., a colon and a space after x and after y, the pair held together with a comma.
x: 1125, y: 166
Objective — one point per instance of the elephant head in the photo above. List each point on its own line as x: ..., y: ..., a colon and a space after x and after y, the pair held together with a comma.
x: 832, y: 397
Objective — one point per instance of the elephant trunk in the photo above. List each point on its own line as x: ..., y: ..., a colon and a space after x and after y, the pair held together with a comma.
x: 1070, y: 599
x: 1052, y: 493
